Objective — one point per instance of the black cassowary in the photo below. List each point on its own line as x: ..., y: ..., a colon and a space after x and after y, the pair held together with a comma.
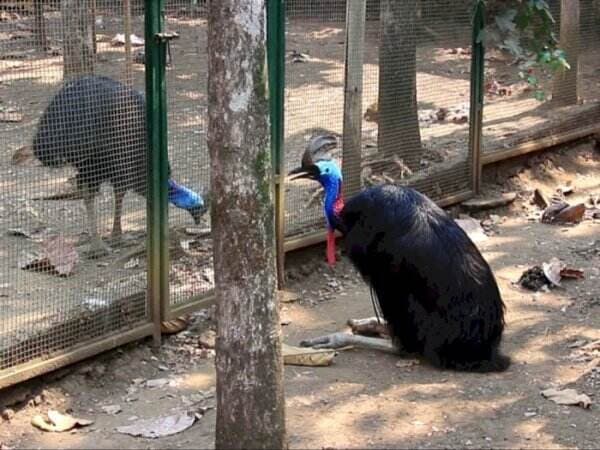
x: 97, y: 125
x: 436, y: 293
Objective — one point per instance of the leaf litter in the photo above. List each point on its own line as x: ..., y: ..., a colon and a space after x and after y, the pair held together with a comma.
x: 56, y: 256
x: 57, y: 422
x: 548, y: 274
x: 159, y: 427
x: 567, y: 397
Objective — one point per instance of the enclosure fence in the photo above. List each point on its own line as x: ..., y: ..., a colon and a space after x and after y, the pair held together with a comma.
x: 98, y: 249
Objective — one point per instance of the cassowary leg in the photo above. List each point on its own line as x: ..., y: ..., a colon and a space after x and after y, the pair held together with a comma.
x: 371, y: 326
x: 97, y: 247
x: 115, y: 236
x: 338, y: 340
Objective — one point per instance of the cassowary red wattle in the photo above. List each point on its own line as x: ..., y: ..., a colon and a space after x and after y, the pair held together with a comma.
x: 98, y: 126
x: 436, y: 292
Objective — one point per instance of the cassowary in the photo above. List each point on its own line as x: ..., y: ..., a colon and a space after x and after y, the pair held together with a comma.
x: 97, y: 125
x: 436, y: 293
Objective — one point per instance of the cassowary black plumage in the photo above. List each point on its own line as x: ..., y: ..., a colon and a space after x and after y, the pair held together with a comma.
x: 97, y: 125
x: 435, y: 290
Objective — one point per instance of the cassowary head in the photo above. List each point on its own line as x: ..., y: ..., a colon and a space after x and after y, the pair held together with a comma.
x: 185, y: 198
x: 317, y: 165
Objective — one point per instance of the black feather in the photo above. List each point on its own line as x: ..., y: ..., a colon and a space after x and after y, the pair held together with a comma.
x: 435, y: 289
x: 96, y: 125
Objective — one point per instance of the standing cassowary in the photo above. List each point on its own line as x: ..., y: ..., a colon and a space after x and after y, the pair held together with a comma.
x: 97, y: 125
x: 436, y: 293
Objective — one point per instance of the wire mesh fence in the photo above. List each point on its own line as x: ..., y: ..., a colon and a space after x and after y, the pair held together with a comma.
x: 392, y: 79
x: 414, y: 65
x: 74, y: 145
x: 514, y: 118
x: 191, y: 273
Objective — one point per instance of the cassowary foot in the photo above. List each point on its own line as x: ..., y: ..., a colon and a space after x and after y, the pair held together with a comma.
x: 371, y: 326
x: 342, y: 339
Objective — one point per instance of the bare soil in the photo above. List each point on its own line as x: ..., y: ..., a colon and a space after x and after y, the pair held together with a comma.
x: 369, y: 399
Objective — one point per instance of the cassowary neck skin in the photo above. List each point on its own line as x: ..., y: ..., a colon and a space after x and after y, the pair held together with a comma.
x: 330, y: 177
x: 185, y: 198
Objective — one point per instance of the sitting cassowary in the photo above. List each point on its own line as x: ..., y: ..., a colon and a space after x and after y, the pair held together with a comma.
x: 436, y: 293
x: 97, y: 125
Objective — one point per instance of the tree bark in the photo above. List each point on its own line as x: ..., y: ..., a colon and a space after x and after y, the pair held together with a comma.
x: 399, y: 132
x: 249, y: 364
x: 78, y: 38
x: 564, y: 89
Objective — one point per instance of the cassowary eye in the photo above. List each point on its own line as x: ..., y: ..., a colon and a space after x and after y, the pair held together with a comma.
x: 326, y: 170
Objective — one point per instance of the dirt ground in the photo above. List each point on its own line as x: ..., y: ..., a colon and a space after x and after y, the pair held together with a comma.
x: 369, y: 399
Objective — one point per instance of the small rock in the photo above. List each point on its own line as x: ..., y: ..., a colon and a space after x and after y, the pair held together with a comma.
x: 8, y: 414
x: 157, y: 383
x: 111, y: 409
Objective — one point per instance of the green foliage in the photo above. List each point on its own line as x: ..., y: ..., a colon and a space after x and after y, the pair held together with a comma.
x: 524, y: 28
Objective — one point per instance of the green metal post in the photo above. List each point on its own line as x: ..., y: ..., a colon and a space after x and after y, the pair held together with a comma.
x: 276, y: 65
x: 477, y: 80
x: 157, y: 199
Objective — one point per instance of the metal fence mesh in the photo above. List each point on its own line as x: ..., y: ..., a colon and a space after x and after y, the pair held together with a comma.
x: 422, y: 142
x: 53, y: 294
x: 74, y: 148
x: 514, y: 118
x: 314, y: 97
x: 191, y: 272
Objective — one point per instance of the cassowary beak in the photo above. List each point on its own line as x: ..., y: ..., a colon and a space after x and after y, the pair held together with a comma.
x: 310, y: 172
x: 197, y: 213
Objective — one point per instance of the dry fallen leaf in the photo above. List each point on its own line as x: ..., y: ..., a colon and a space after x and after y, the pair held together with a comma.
x: 61, y: 254
x: 24, y: 156
x: 119, y: 39
x: 301, y: 356
x: 552, y: 270
x: 473, y: 229
x: 174, y: 326
x: 159, y: 427
x: 58, y: 422
x: 568, y: 272
x: 567, y: 397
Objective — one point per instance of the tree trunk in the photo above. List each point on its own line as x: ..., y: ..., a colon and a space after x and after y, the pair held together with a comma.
x: 564, y: 89
x: 249, y: 365
x: 78, y: 38
x: 39, y: 30
x: 399, y: 132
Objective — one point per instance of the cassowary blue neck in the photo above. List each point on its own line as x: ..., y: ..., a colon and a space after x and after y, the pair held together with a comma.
x: 333, y: 190
x: 182, y: 197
